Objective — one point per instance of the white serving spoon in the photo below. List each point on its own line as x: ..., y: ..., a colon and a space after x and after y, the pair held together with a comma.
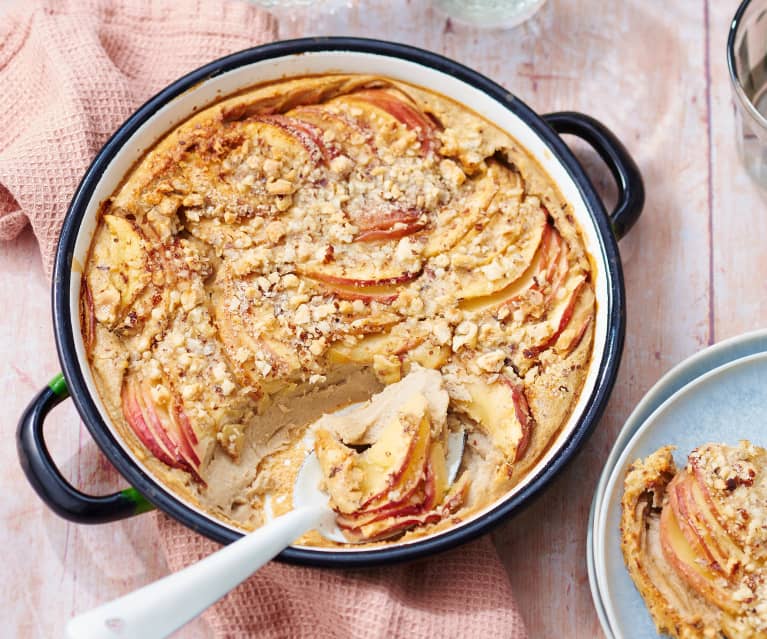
x: 162, y: 607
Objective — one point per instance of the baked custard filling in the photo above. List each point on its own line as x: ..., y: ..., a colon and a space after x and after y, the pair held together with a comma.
x: 695, y: 540
x: 308, y: 244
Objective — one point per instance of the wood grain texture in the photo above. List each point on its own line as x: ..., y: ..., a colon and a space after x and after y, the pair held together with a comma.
x: 653, y: 72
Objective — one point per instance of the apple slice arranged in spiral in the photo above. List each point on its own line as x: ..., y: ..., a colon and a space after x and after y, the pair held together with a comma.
x: 570, y: 333
x: 163, y: 428
x: 688, y: 547
x: 359, y: 276
x: 407, y: 346
x: 382, y: 294
x: 456, y: 219
x: 364, y: 350
x: 389, y: 224
x: 544, y: 276
x: 558, y: 323
x: 380, y: 474
x: 501, y: 411
x: 396, y: 105
x: 497, y: 255
x: 701, y: 524
x: 387, y: 527
x: 344, y: 130
x: 306, y: 134
x: 400, y: 481
x: 384, y: 221
x: 270, y: 361
x: 121, y: 272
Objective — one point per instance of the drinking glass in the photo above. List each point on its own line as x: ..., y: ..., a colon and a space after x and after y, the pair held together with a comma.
x: 747, y: 61
x: 501, y: 14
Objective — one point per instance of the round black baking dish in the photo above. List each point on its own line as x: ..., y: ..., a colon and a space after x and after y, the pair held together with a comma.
x: 72, y: 504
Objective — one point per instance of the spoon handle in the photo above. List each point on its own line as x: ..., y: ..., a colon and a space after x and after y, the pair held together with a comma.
x: 158, y: 609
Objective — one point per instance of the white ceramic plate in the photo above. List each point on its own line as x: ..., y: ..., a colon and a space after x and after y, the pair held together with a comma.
x: 726, y: 404
x: 683, y: 373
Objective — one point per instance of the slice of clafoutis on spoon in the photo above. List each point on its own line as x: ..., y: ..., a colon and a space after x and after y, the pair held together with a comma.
x: 404, y: 476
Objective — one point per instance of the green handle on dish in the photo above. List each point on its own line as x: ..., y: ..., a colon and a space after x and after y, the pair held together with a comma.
x: 46, y: 478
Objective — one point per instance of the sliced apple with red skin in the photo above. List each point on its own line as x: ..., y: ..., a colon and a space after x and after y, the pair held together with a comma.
x: 396, y: 231
x: 514, y: 261
x: 383, y: 293
x: 546, y: 273
x: 515, y: 291
x: 364, y: 350
x: 500, y: 410
x: 704, y: 494
x: 156, y: 441
x: 422, y: 498
x: 335, y: 275
x: 678, y: 503
x: 558, y: 273
x: 559, y: 317
x: 389, y: 225
x: 252, y: 331
x: 554, y: 264
x: 459, y: 217
x: 402, y: 109
x: 412, y: 504
x: 408, y: 477
x: 691, y: 567
x: 406, y: 497
x: 344, y: 128
x: 389, y: 494
x: 523, y: 415
x: 306, y: 134
x: 164, y: 430
x: 374, y: 324
x: 385, y: 467
x: 380, y: 294
x: 703, y: 510
x: 391, y: 526
x: 694, y: 524
x: 410, y: 348
x: 571, y: 334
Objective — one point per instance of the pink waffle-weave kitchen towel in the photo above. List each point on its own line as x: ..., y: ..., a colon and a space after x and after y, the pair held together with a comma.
x: 70, y: 72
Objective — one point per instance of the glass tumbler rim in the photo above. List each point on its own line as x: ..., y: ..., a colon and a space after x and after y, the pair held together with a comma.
x: 737, y: 87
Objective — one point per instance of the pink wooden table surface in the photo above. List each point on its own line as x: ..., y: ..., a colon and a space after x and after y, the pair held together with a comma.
x: 695, y: 271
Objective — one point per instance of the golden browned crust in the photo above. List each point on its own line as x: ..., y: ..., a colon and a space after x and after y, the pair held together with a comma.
x: 303, y: 245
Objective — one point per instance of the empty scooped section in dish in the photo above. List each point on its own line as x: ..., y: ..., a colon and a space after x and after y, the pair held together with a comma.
x: 386, y: 465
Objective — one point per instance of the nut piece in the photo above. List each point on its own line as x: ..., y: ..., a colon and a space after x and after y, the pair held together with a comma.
x: 465, y: 335
x: 280, y: 186
x: 452, y: 173
x: 492, y: 362
x: 387, y: 368
x: 341, y: 165
x: 232, y: 439
x: 275, y: 231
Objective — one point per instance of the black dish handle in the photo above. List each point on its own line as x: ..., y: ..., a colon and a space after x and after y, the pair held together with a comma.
x: 621, y: 164
x: 48, y: 482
